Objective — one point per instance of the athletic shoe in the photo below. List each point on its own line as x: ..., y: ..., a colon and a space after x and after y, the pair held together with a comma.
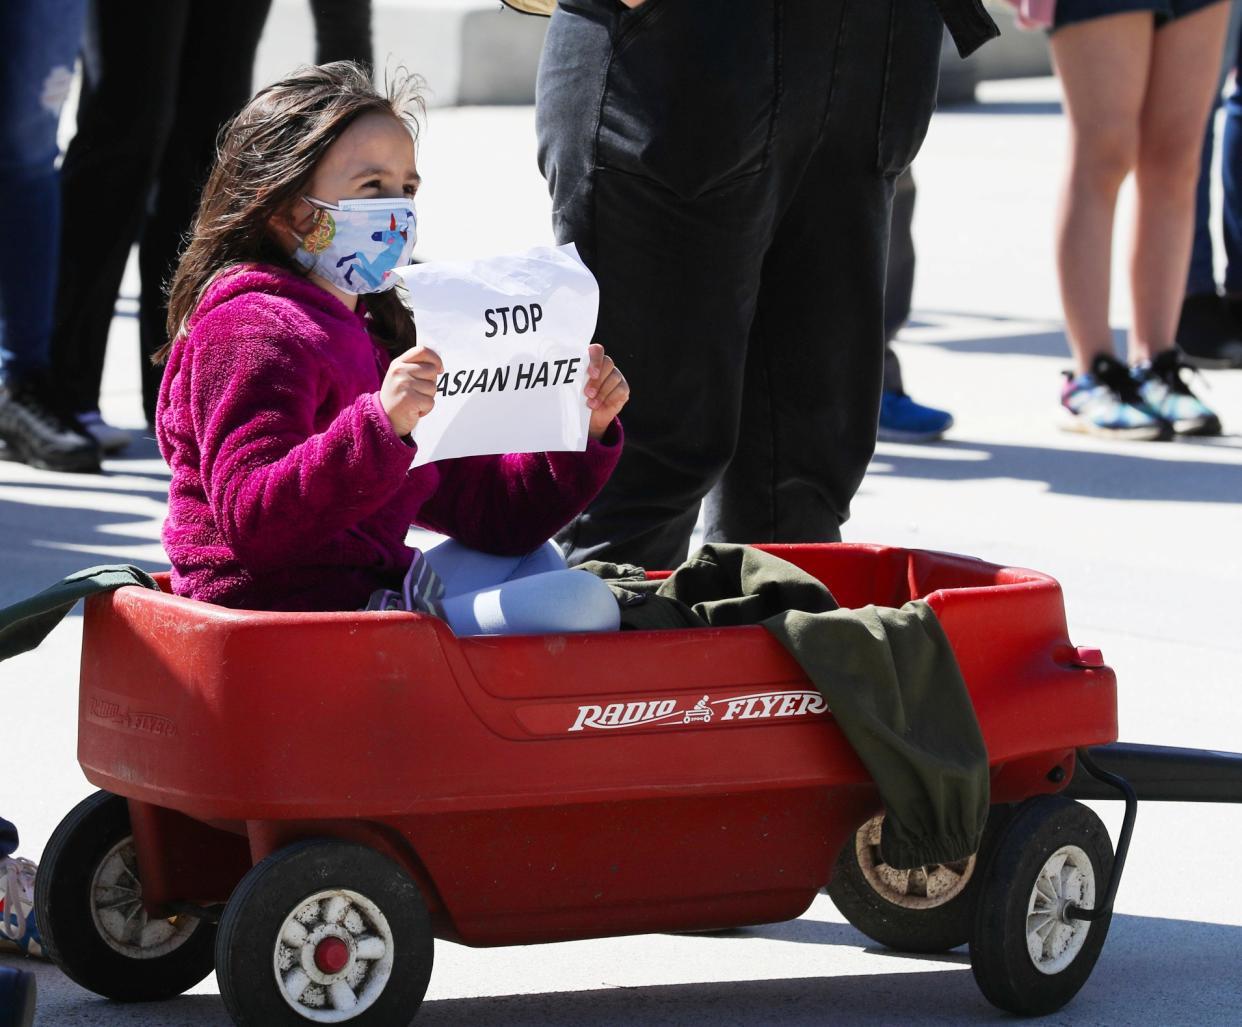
x: 903, y: 420
x: 111, y: 439
x: 35, y: 432
x: 17, y: 923
x: 1106, y: 401
x: 1207, y: 332
x: 1160, y: 384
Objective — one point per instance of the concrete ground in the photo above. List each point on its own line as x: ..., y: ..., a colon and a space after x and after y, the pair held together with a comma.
x: 1145, y: 538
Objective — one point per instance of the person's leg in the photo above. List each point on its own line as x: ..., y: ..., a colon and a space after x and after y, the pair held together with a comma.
x: 814, y: 366
x: 1182, y: 75
x: 551, y: 603
x: 462, y: 569
x: 1179, y: 96
x: 901, y: 418
x: 40, y: 42
x: 130, y: 60
x: 1103, y: 67
x: 1201, y: 281
x: 899, y: 273
x: 1231, y: 174
x: 213, y: 83
x: 658, y: 175
x: 342, y: 31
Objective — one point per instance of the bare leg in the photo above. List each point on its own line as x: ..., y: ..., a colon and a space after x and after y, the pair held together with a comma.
x: 1103, y: 67
x: 1185, y: 60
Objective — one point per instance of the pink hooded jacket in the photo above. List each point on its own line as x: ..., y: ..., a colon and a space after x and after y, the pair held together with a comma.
x: 291, y: 490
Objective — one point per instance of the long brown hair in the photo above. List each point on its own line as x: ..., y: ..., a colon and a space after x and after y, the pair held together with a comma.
x: 266, y: 156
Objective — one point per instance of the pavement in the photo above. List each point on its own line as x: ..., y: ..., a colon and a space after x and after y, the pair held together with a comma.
x: 1145, y: 538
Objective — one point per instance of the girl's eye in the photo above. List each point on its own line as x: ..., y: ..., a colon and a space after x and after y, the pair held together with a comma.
x: 373, y: 183
x: 410, y: 190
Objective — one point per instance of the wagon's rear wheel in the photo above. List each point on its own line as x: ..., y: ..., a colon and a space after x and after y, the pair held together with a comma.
x: 1029, y: 954
x: 927, y: 909
x: 88, y: 908
x: 324, y: 932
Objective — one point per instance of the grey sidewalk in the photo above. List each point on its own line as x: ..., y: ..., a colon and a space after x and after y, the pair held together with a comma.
x: 1145, y: 538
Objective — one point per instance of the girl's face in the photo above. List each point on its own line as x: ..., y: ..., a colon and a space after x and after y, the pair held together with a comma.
x: 373, y: 158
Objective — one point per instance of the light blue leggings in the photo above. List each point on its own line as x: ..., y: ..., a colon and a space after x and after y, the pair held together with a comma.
x: 519, y: 595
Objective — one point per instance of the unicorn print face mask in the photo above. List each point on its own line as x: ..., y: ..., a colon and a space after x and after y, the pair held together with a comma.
x: 356, y: 244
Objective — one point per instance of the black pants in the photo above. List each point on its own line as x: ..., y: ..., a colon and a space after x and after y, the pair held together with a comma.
x: 726, y: 169
x: 159, y: 80
x: 899, y: 278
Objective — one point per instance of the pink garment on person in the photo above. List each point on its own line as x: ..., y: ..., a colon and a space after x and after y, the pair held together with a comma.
x: 290, y: 489
x: 1035, y: 14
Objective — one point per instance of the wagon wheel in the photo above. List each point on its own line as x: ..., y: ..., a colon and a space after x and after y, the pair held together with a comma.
x: 88, y: 908
x: 927, y: 909
x: 324, y: 932
x: 1028, y: 954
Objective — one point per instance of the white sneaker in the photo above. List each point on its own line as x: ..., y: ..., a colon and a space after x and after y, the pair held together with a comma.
x: 110, y: 438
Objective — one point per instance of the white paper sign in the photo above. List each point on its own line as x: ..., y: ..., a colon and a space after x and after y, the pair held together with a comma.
x: 512, y: 332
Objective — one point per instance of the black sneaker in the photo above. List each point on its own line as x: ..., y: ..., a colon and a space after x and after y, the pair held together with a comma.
x: 36, y: 433
x: 1208, y: 333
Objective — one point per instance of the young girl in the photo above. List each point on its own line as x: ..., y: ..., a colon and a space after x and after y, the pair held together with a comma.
x: 295, y: 384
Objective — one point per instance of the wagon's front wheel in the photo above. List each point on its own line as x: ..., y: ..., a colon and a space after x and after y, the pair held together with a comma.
x: 89, y: 911
x: 1029, y: 954
x: 324, y: 932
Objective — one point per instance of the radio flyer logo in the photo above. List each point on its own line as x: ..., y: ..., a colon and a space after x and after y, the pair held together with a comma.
x: 122, y: 716
x: 756, y: 706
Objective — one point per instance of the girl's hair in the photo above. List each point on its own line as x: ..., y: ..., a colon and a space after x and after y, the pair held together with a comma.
x: 265, y: 158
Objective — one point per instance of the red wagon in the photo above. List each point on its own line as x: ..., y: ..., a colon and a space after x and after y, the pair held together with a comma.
x: 303, y: 801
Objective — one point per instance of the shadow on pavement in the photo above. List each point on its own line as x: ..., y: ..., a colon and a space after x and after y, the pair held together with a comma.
x: 1074, y: 472
x: 1151, y: 971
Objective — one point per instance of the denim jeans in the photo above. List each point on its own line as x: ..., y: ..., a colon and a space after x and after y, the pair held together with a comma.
x: 39, y: 42
x: 726, y: 169
x: 1202, y: 277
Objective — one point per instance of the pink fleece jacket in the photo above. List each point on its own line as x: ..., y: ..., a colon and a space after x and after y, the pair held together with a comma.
x: 291, y: 490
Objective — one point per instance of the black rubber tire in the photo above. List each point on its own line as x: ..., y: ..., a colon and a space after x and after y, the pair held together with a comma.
x: 17, y: 997
x: 937, y: 929
x: 69, y: 933
x: 279, y: 885
x: 1003, y: 968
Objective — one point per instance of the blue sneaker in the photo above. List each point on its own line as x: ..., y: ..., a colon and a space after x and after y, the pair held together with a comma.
x: 903, y: 420
x: 1106, y: 401
x: 17, y: 922
x: 1160, y: 384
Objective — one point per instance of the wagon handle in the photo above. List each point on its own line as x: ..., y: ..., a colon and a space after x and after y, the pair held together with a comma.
x: 1105, y: 907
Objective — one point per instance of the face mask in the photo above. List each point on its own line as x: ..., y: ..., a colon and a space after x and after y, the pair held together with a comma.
x: 356, y: 244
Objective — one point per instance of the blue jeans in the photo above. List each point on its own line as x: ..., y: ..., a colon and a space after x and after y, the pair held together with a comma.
x: 1202, y: 277
x: 533, y: 594
x: 39, y: 40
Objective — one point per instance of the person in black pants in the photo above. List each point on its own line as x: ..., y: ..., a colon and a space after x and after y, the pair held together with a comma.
x: 342, y: 31
x: 159, y: 80
x: 726, y: 169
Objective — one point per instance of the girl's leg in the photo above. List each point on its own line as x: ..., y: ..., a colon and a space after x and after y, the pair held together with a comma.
x: 462, y: 569
x: 1103, y: 67
x: 554, y: 602
x: 1185, y: 56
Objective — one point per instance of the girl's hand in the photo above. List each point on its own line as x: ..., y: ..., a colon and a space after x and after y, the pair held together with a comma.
x: 606, y: 390
x: 409, y: 389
